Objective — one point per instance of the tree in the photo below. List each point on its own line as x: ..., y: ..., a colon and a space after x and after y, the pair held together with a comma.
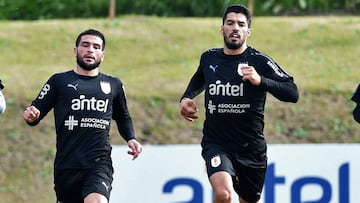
x: 112, y: 8
x: 251, y: 6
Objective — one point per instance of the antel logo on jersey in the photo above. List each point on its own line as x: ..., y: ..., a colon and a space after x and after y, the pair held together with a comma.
x: 89, y: 104
x: 226, y: 89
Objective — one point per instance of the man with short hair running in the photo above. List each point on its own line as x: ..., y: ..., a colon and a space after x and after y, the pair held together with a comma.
x: 84, y: 102
x: 236, y: 79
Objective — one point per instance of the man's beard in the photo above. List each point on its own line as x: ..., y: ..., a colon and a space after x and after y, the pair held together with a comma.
x: 233, y: 45
x: 86, y: 66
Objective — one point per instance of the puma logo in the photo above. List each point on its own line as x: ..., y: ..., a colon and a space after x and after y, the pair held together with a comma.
x: 213, y: 67
x: 73, y: 86
x: 106, y: 186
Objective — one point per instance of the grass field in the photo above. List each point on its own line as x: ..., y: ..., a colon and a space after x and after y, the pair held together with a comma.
x: 155, y: 58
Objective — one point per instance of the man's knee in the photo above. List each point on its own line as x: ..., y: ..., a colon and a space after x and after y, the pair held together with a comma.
x: 95, y: 198
x: 223, y: 194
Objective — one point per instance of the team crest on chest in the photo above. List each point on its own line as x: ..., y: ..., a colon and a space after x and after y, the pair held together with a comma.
x: 105, y: 87
x: 240, y: 66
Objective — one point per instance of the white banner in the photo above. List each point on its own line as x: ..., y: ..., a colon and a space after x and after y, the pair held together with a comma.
x: 297, y: 173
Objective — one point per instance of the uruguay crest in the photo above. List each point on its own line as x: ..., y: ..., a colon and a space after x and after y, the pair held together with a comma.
x: 215, y: 161
x: 105, y: 87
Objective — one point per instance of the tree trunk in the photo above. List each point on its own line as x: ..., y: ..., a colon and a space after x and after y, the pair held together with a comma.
x: 112, y: 9
x: 251, y: 6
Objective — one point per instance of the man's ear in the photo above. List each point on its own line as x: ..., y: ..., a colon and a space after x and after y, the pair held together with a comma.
x: 249, y: 32
x: 103, y: 56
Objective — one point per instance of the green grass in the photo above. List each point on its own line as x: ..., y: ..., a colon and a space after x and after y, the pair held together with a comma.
x: 155, y: 58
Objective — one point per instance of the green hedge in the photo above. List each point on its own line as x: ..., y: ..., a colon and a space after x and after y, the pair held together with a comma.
x: 50, y: 9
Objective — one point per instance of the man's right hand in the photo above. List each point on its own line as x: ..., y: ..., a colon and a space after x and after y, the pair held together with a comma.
x: 188, y: 109
x: 30, y: 114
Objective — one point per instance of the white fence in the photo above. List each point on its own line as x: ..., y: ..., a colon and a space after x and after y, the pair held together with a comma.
x: 297, y: 173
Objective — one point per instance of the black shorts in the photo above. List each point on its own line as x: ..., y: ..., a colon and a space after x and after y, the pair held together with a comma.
x: 248, y: 179
x: 72, y: 186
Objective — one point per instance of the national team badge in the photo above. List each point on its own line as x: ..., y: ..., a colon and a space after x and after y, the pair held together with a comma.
x: 215, y: 161
x: 105, y: 87
x: 240, y: 66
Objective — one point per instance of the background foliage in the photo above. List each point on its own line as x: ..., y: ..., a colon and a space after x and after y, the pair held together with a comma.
x: 51, y: 9
x: 155, y: 58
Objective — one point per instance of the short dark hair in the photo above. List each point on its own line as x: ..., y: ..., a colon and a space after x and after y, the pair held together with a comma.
x: 90, y: 32
x: 237, y: 8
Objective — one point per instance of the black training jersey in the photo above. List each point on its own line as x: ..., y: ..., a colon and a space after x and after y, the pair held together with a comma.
x: 235, y: 108
x: 83, y: 109
x: 356, y: 96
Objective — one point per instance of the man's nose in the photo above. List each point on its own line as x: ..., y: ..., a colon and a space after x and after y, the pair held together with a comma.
x: 236, y: 27
x: 91, y: 49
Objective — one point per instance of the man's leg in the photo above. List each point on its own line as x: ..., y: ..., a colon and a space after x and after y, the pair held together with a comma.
x: 95, y: 198
x: 222, y: 185
x: 97, y: 186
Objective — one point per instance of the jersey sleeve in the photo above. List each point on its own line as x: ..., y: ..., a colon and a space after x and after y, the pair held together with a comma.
x: 46, y: 99
x: 277, y: 82
x: 2, y: 102
x: 356, y: 96
x: 121, y: 114
x: 196, y: 84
